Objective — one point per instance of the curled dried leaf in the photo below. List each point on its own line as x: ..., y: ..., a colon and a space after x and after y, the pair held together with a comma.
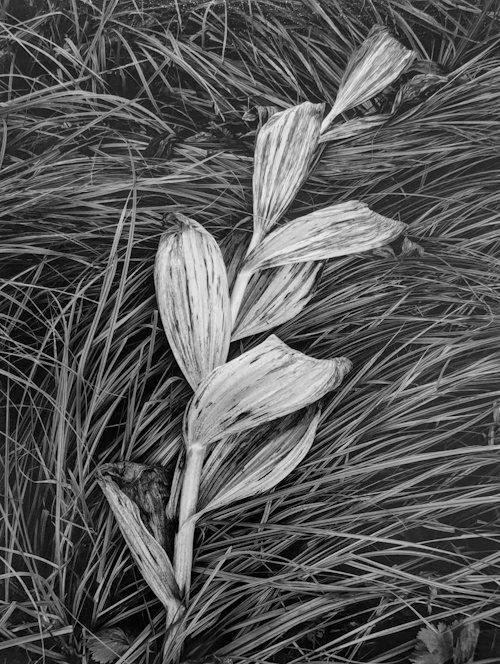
x: 353, y: 128
x: 148, y: 554
x: 378, y: 62
x: 149, y: 488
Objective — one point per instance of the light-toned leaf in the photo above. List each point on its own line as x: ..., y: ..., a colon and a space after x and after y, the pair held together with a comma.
x: 226, y: 457
x: 284, y: 150
x: 193, y: 298
x: 378, y: 62
x: 337, y: 230
x: 148, y: 554
x: 353, y: 128
x: 285, y: 448
x: 267, y: 382
x: 108, y: 644
x: 275, y: 296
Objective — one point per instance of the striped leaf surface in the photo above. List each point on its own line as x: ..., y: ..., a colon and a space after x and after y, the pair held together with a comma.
x: 284, y: 149
x: 285, y: 447
x: 337, y: 230
x: 267, y: 382
x: 193, y: 298
x: 275, y: 296
x: 148, y: 554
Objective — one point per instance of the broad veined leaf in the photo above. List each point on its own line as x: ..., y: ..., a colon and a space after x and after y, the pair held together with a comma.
x: 275, y: 296
x: 148, y: 554
x: 286, y: 447
x: 284, y: 149
x: 378, y: 62
x: 193, y: 298
x: 337, y: 230
x: 267, y: 382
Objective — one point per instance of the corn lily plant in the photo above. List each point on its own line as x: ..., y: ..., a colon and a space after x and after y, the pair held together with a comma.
x: 271, y: 391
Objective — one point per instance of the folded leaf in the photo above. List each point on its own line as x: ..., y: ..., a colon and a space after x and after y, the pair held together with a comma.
x: 337, y: 230
x: 149, y: 488
x: 148, y: 554
x: 263, y: 469
x: 267, y: 382
x: 284, y: 149
x: 378, y: 62
x: 275, y: 296
x: 193, y: 298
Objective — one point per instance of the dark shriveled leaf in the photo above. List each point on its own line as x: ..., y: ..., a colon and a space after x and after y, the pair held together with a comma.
x: 149, y: 488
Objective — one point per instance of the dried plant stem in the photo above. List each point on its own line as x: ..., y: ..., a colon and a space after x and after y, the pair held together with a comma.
x: 183, y: 551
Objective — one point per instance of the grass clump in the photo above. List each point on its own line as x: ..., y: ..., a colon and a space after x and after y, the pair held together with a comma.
x: 114, y: 114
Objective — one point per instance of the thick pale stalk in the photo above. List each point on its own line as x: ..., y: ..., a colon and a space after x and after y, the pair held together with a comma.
x: 239, y: 288
x: 183, y: 552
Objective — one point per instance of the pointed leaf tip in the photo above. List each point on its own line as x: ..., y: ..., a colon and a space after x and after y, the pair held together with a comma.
x: 337, y: 230
x: 284, y: 150
x: 378, y: 62
x: 193, y: 298
x: 267, y: 382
